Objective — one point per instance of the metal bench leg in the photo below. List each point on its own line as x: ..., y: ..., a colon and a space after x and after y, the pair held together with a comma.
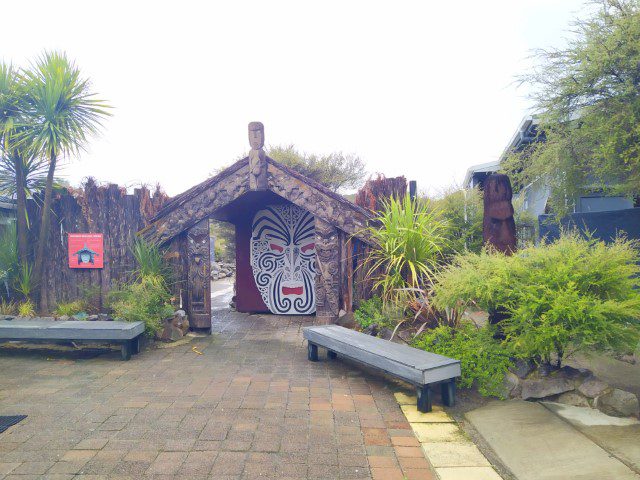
x: 126, y: 349
x: 448, y: 390
x: 424, y: 399
x: 312, y: 352
x: 331, y: 354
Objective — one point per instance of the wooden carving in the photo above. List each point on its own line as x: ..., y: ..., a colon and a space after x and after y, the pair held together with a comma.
x: 328, y: 271
x: 336, y: 210
x: 199, y: 276
x: 257, y: 157
x: 198, y: 206
x: 499, y: 227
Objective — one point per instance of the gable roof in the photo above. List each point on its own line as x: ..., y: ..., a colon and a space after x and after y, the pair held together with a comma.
x: 203, y: 200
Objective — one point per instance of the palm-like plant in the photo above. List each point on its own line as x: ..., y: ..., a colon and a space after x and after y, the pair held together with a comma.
x: 410, y: 239
x: 62, y: 112
x: 12, y: 153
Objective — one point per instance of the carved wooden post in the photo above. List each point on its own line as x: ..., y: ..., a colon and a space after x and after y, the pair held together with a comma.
x: 199, y: 276
x: 328, y: 275
x: 499, y: 227
x: 257, y: 157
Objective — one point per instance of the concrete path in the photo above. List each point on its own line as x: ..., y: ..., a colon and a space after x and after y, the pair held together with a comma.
x: 249, y: 406
x: 536, y: 444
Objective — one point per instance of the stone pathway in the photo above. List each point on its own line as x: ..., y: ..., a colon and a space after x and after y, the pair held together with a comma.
x: 250, y: 406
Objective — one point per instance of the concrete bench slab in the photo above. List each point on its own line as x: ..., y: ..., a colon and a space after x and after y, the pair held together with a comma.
x: 420, y: 368
x: 126, y: 334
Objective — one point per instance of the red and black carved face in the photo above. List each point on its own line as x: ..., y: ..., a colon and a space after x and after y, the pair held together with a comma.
x: 283, y: 259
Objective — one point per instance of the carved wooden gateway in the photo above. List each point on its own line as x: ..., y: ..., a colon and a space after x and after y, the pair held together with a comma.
x: 295, y: 239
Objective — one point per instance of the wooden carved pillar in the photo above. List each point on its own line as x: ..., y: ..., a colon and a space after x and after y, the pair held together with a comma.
x: 328, y: 272
x: 498, y: 226
x: 257, y: 158
x: 199, y: 276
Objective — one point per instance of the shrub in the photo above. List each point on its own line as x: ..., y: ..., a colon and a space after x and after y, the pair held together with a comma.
x: 8, y: 308
x: 370, y: 313
x: 572, y: 294
x: 463, y: 210
x: 410, y: 239
x: 26, y: 309
x: 483, y: 360
x: 69, y: 308
x: 24, y: 281
x: 146, y: 300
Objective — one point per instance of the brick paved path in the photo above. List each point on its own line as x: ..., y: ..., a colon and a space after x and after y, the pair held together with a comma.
x: 251, y: 406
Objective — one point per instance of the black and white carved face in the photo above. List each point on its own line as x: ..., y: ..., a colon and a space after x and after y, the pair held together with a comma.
x: 283, y: 259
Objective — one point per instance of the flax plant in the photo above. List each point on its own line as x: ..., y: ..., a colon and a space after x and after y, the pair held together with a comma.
x: 410, y: 239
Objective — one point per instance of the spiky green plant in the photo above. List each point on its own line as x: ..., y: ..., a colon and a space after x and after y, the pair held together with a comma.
x: 26, y: 309
x: 149, y: 260
x: 24, y: 281
x: 410, y: 238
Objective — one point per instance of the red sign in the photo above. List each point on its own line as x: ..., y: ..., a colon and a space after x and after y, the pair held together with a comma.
x: 86, y: 250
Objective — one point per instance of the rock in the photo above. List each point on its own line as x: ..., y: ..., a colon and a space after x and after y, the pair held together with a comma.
x: 592, y: 387
x: 371, y: 330
x: 618, y: 403
x: 628, y: 359
x: 573, y: 398
x: 385, y: 333
x: 92, y: 318
x: 522, y: 368
x: 511, y: 385
x: 104, y: 317
x: 347, y: 321
x: 545, y: 387
x: 175, y: 327
x: 63, y: 318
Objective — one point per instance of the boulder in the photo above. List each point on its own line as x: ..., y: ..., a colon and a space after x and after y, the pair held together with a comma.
x: 522, y: 368
x: 175, y: 327
x: 545, y: 387
x: 511, y: 385
x: 347, y: 320
x: 573, y: 398
x: 592, y: 387
x: 618, y: 403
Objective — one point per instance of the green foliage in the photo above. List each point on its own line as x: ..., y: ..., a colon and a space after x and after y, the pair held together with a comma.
x: 8, y: 254
x: 483, y: 360
x: 26, y: 309
x: 336, y: 171
x: 69, y: 309
x: 90, y: 297
x: 149, y: 259
x: 24, y: 280
x: 463, y: 210
x: 370, y: 313
x: 589, y: 98
x: 8, y: 307
x: 146, y: 300
x: 410, y: 239
x: 224, y: 247
x: 569, y: 295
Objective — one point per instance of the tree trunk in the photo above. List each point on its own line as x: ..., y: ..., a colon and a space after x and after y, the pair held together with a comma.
x: 21, y: 210
x: 43, y: 235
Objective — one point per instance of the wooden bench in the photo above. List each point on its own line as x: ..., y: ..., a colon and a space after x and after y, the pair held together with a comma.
x: 126, y: 334
x: 420, y: 368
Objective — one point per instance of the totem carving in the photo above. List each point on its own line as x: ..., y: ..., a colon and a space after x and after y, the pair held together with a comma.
x: 283, y: 259
x: 199, y: 275
x: 257, y: 157
x: 328, y: 271
x: 499, y: 227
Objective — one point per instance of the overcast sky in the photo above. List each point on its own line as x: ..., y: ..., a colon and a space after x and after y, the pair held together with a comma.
x: 416, y: 88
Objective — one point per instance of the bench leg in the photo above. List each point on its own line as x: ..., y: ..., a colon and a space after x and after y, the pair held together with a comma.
x: 331, y: 354
x: 424, y: 399
x: 448, y: 390
x: 136, y: 345
x: 312, y: 352
x: 126, y: 349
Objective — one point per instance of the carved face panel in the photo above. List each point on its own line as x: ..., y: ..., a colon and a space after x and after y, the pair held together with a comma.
x: 256, y: 135
x: 283, y: 259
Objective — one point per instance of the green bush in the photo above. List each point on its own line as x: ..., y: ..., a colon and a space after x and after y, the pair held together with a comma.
x: 149, y: 259
x: 370, y: 313
x: 561, y: 297
x: 26, y: 309
x: 463, y: 210
x: 483, y: 360
x: 147, y: 300
x: 69, y: 308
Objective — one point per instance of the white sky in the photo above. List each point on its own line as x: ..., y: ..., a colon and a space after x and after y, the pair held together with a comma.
x: 416, y: 88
